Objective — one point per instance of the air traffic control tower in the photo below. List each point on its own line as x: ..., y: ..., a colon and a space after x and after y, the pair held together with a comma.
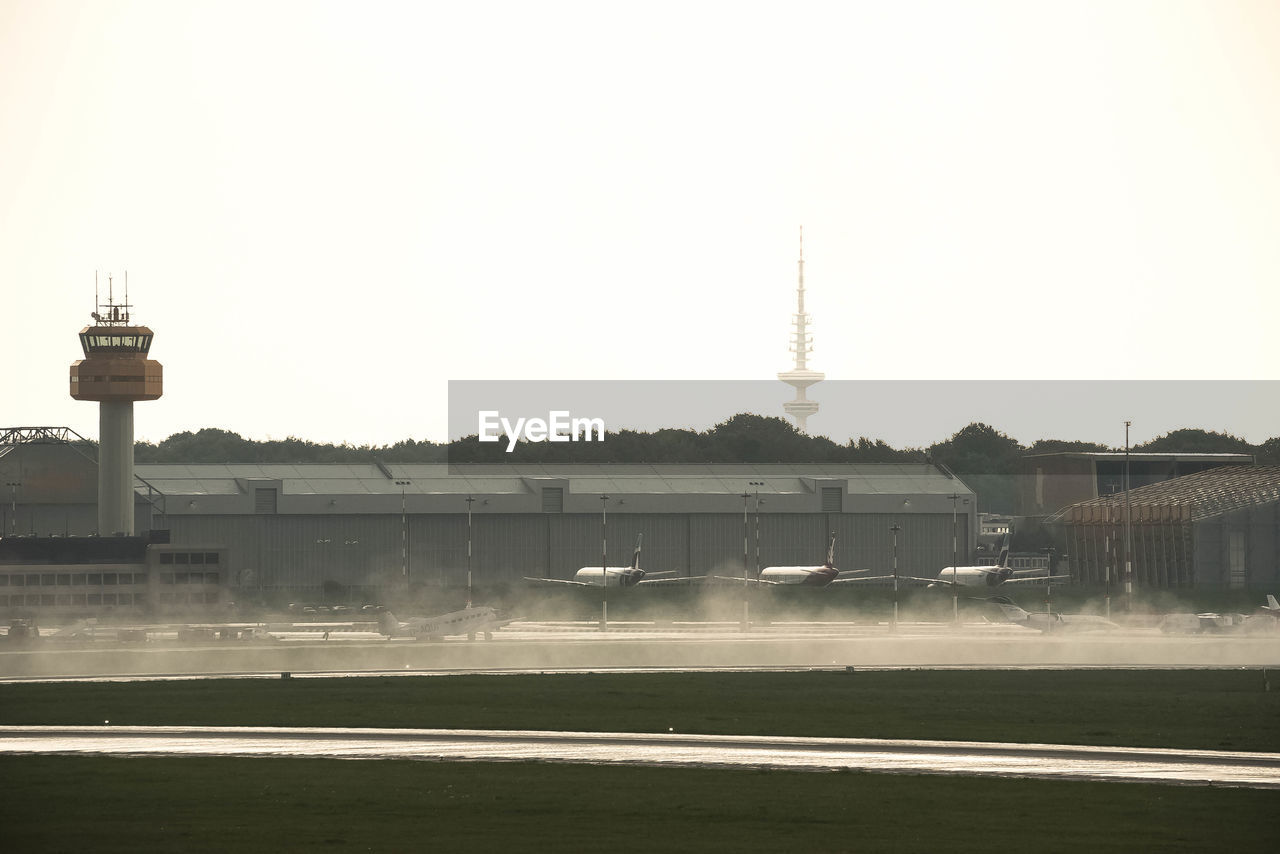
x: 115, y: 371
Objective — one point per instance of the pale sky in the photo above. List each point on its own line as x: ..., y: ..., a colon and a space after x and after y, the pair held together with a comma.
x: 327, y: 211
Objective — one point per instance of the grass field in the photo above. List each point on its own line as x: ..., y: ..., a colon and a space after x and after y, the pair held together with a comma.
x: 172, y: 804
x: 1207, y: 709
x: 273, y: 805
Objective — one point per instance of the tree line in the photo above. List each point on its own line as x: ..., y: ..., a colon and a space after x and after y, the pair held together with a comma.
x: 977, y: 449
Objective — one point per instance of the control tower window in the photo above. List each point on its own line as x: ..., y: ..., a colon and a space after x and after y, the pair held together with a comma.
x: 127, y: 343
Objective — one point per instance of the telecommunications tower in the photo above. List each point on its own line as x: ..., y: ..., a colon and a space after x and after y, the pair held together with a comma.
x: 115, y: 371
x: 800, y: 377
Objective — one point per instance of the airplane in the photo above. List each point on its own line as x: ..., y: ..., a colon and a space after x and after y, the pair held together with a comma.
x: 1211, y: 623
x: 469, y: 621
x: 973, y: 576
x: 809, y: 576
x: 614, y: 576
x: 1050, y: 622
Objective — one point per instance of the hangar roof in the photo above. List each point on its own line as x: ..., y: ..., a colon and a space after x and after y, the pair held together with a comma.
x: 497, y: 479
x: 1203, y: 495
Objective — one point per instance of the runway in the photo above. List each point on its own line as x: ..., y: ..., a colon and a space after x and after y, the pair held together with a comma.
x: 547, y: 646
x: 1038, y: 761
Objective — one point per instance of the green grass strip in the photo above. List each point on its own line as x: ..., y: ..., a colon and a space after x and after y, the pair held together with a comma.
x: 1216, y: 710
x: 104, y: 804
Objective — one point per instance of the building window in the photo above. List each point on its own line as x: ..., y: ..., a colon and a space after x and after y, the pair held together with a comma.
x: 166, y: 557
x: 210, y: 557
x: 552, y: 499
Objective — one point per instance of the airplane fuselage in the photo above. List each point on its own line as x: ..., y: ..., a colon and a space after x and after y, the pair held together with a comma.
x: 974, y: 576
x: 613, y: 576
x: 468, y: 621
x: 811, y: 576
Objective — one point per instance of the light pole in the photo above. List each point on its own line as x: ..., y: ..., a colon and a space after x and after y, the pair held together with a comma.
x: 757, y: 484
x: 1048, y: 582
x: 746, y: 583
x: 955, y: 558
x: 894, y: 529
x: 13, y: 505
x: 604, y: 563
x: 404, y: 535
x: 1128, y: 560
x: 469, y: 500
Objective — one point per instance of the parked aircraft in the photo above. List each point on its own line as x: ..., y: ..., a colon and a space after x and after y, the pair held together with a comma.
x: 1206, y: 623
x: 469, y: 621
x: 809, y: 576
x: 614, y: 576
x: 973, y: 576
x: 1266, y: 620
x: 1050, y: 622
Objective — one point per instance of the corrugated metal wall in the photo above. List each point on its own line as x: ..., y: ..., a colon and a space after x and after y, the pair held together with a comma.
x: 305, y: 551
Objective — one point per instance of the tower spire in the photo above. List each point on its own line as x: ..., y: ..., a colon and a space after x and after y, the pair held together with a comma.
x: 800, y: 377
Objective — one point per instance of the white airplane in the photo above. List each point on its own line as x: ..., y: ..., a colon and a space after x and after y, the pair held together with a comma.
x: 1272, y: 607
x: 614, y: 576
x: 974, y: 576
x: 469, y: 621
x: 1206, y: 623
x: 1051, y: 622
x: 809, y: 576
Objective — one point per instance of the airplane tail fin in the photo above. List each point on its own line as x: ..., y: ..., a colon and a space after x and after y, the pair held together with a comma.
x: 635, y: 558
x: 1272, y: 605
x: 831, y: 551
x: 1003, y: 562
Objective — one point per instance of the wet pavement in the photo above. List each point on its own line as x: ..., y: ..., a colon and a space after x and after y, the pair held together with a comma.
x: 1177, y: 767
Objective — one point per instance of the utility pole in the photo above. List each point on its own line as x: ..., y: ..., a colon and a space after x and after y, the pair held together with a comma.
x: 1128, y: 542
x: 894, y: 529
x: 13, y: 505
x: 955, y: 559
x: 604, y: 562
x: 469, y: 501
x: 746, y: 582
x: 404, y: 535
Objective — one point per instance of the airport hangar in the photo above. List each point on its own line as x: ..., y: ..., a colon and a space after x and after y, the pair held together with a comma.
x: 301, y: 529
x: 1217, y: 528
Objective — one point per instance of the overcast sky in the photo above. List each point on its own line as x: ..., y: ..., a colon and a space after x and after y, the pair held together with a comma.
x: 327, y: 211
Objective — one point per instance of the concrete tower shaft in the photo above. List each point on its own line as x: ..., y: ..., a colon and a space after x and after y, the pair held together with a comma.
x: 800, y: 377
x: 114, y: 373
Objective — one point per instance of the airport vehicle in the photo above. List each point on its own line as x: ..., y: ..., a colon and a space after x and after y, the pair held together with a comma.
x: 469, y: 621
x: 1050, y: 622
x: 973, y: 576
x: 613, y: 576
